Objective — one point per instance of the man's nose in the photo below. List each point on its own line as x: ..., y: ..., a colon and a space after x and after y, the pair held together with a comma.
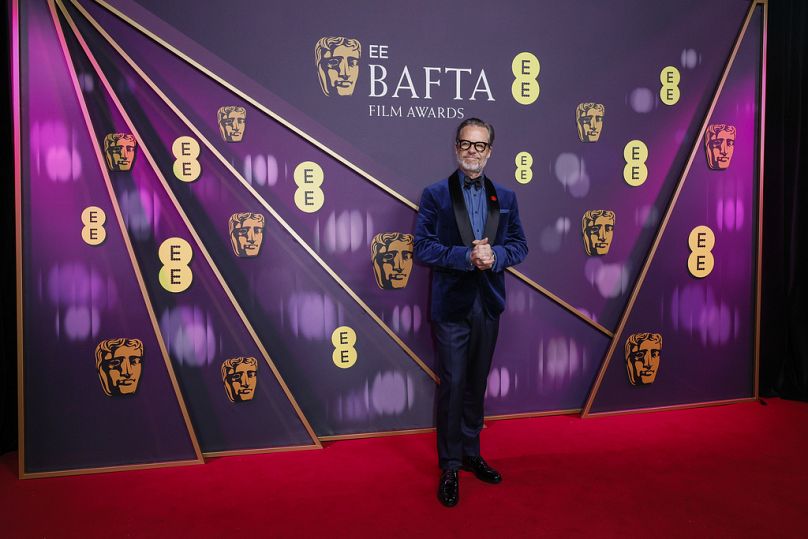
x: 723, y: 148
x: 250, y: 236
x: 601, y: 234
x: 397, y: 264
x: 343, y: 69
x: 126, y: 369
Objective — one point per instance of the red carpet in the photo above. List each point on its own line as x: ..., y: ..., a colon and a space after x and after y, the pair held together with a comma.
x: 728, y: 471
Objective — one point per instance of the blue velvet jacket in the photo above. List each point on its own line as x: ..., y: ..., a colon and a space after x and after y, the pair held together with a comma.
x: 443, y: 237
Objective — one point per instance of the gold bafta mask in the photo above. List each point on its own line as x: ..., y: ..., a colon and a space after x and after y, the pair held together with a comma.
x: 232, y: 122
x: 719, y: 143
x: 119, y: 363
x: 391, y: 253
x: 643, y: 353
x: 589, y: 119
x: 119, y: 151
x: 337, y: 60
x: 246, y: 233
x: 597, y: 227
x: 240, y: 377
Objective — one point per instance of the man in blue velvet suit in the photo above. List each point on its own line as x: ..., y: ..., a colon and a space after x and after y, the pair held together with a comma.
x: 468, y: 231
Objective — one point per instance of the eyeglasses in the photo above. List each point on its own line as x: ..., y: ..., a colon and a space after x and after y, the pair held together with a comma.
x: 466, y: 144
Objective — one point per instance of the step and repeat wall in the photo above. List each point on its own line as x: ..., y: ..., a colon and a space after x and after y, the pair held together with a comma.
x: 217, y: 203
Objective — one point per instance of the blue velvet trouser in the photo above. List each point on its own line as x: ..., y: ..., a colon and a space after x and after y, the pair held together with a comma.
x: 464, y: 349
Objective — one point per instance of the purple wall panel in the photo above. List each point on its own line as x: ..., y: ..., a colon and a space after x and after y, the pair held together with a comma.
x: 77, y: 295
x: 293, y: 304
x: 200, y: 325
x: 615, y: 59
x: 707, y: 325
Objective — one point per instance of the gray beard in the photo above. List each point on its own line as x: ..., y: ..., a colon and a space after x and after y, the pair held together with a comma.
x: 477, y: 166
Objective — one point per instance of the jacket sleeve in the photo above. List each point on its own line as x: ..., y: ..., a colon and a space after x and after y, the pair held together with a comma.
x: 513, y: 249
x: 428, y: 248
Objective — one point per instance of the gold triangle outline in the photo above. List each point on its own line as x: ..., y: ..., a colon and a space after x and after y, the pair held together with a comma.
x: 261, y: 200
x: 586, y: 411
x: 199, y: 459
x: 189, y: 226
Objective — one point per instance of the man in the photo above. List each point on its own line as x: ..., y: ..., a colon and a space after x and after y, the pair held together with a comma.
x: 643, y: 354
x: 719, y: 144
x: 598, y: 230
x: 119, y: 151
x: 392, y: 259
x: 337, y: 60
x: 119, y: 363
x: 246, y: 233
x: 468, y: 230
x: 240, y: 378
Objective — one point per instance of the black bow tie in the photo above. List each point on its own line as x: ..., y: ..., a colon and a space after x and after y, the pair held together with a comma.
x: 476, y: 182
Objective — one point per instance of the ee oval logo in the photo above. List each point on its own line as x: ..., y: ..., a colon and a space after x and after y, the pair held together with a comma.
x: 93, y: 219
x: 701, y: 241
x: 309, y: 178
x: 525, y: 88
x: 524, y: 167
x: 344, y: 356
x: 669, y: 93
x: 635, y: 154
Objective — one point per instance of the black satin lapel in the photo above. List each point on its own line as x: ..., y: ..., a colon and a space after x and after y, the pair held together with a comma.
x: 460, y: 211
x: 492, y: 201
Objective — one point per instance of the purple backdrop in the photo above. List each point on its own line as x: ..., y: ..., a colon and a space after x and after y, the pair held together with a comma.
x: 707, y: 325
x: 546, y: 359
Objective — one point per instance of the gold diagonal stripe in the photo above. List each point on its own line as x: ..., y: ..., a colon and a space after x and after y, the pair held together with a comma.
x: 401, y: 198
x: 17, y: 112
x: 124, y: 232
x: 761, y: 170
x: 668, y: 212
x: 261, y: 199
x: 561, y: 302
x: 188, y: 224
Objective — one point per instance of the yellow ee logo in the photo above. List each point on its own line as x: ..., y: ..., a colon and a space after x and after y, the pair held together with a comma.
x: 308, y: 178
x: 344, y: 339
x: 635, y: 154
x: 186, y: 167
x: 525, y: 88
x: 524, y: 170
x: 701, y: 241
x: 93, y: 219
x: 175, y: 275
x: 669, y: 93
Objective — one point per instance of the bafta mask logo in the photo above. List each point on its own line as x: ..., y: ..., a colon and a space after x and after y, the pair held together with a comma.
x: 232, y: 122
x: 119, y: 151
x: 337, y: 60
x: 391, y: 253
x: 246, y: 233
x: 598, y: 229
x: 589, y: 118
x: 240, y: 376
x: 119, y: 363
x: 643, y: 352
x: 719, y: 143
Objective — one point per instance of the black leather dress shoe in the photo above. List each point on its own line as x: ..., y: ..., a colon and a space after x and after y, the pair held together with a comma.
x: 481, y: 469
x: 448, y: 488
